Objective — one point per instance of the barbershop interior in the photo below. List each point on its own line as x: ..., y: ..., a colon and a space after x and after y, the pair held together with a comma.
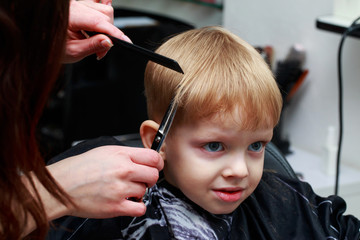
x: 309, y: 45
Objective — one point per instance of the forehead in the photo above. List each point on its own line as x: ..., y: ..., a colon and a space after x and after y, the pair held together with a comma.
x: 225, y: 123
x: 236, y: 117
x: 220, y: 129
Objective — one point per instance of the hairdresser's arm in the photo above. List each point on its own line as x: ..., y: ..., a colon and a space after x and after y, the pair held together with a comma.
x: 100, y: 182
x: 90, y: 16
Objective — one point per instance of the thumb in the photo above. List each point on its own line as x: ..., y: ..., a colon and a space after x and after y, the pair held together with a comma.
x: 98, y: 44
x: 105, y: 45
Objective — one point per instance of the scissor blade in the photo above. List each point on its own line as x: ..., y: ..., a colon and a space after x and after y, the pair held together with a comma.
x: 164, y: 126
x: 147, y: 54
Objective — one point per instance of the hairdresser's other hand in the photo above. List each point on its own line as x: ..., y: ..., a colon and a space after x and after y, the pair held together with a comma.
x: 90, y: 16
x: 101, y: 180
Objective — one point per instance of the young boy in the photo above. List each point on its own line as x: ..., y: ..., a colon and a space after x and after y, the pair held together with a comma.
x: 214, y: 186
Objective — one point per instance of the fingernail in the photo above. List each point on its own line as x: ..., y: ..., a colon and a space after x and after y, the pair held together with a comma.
x: 99, y: 57
x: 106, y: 43
x: 126, y: 38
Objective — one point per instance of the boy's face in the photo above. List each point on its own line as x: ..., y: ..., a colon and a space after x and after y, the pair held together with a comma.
x: 215, y: 164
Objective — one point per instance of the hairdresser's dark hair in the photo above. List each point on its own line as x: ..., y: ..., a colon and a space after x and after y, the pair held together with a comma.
x: 32, y: 41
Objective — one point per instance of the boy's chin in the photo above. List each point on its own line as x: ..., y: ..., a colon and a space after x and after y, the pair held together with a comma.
x: 223, y: 210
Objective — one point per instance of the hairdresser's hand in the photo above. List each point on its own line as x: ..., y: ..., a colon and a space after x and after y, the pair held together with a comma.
x: 90, y: 16
x: 100, y: 180
x: 106, y: 2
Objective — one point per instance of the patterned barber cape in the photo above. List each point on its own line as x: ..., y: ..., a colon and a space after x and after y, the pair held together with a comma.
x: 280, y: 208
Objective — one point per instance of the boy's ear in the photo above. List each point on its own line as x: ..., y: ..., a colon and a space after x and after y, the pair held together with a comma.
x: 148, y: 131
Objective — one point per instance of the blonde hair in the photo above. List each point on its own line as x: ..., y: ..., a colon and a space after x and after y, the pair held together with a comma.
x: 221, y: 73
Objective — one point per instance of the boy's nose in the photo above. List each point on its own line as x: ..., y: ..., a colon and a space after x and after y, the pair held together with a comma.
x: 236, y: 167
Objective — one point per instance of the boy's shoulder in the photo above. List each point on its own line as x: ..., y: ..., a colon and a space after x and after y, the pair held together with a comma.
x: 284, y: 208
x: 277, y: 194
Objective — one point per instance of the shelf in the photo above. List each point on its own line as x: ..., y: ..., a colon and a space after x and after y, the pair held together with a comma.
x: 335, y: 24
x: 312, y: 167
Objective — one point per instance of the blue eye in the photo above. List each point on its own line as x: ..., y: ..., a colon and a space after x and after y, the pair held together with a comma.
x: 256, y: 147
x: 213, y: 147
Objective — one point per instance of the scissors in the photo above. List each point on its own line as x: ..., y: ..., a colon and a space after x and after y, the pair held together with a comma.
x: 159, y: 59
x: 164, y: 126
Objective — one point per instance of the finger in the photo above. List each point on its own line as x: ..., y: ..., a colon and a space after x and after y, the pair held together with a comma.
x: 133, y: 190
x: 106, y: 43
x: 85, y: 47
x: 85, y: 11
x: 91, y: 17
x: 97, y: 1
x: 101, y: 7
x: 146, y: 175
x: 101, y: 55
x: 146, y: 157
x: 131, y: 208
x: 106, y: 2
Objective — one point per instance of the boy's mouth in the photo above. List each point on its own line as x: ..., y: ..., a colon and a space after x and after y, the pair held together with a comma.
x: 229, y: 195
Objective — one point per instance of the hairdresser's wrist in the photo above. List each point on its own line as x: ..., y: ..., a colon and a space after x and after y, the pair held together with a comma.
x: 53, y: 208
